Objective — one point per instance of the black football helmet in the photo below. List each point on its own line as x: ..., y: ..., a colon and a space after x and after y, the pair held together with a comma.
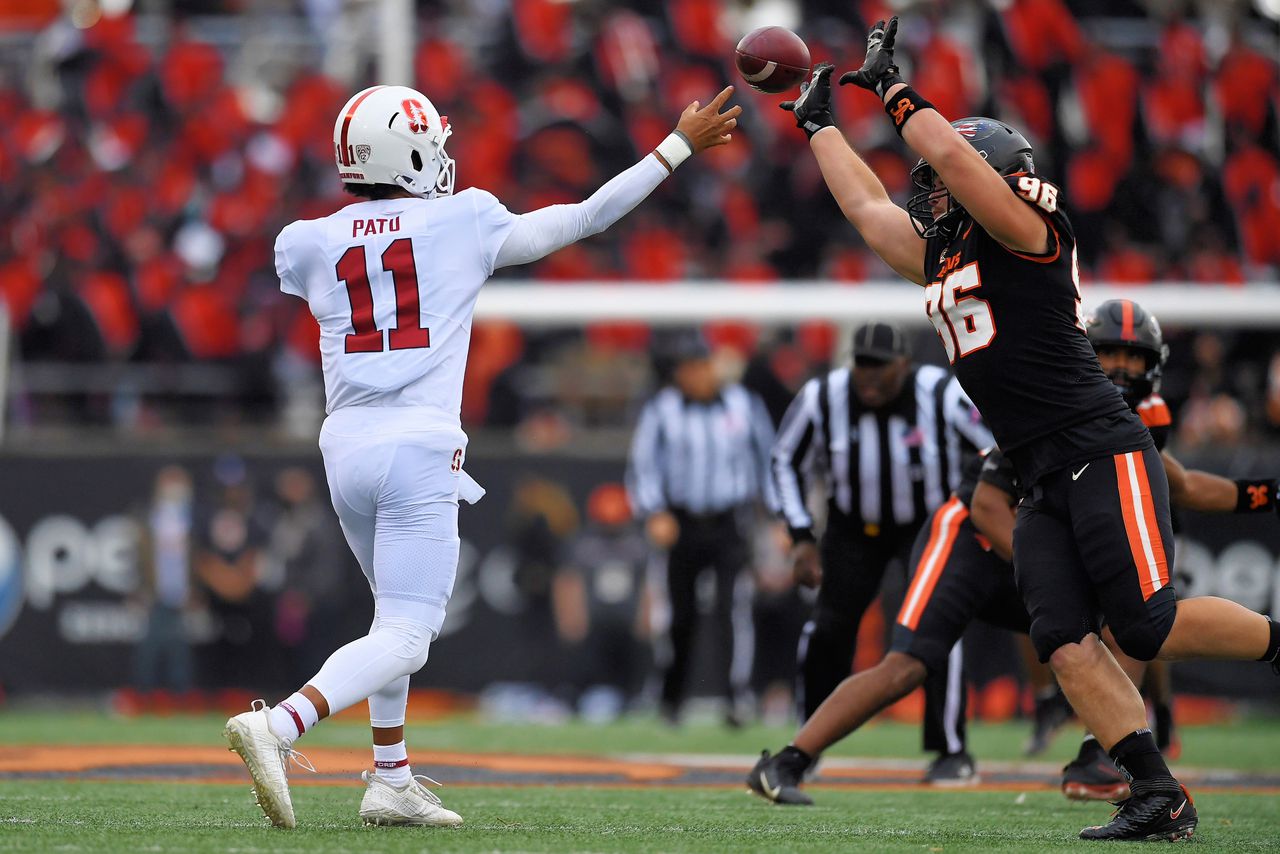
x: 1123, y: 324
x: 1004, y: 148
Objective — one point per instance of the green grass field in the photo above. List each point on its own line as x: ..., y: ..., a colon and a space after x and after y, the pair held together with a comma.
x: 120, y: 815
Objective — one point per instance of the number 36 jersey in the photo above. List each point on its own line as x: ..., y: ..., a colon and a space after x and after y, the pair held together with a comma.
x: 1011, y: 326
x: 393, y: 284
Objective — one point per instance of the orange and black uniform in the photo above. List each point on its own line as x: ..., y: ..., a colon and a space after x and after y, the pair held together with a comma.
x: 956, y: 577
x: 1093, y: 531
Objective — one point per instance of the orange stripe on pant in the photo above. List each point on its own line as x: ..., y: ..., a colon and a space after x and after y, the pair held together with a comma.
x: 1140, y: 522
x: 942, y: 537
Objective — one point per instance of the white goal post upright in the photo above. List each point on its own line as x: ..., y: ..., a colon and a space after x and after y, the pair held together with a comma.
x: 684, y: 303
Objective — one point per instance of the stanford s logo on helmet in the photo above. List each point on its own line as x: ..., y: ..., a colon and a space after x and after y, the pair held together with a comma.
x: 393, y: 135
x: 1004, y: 148
x: 1122, y: 324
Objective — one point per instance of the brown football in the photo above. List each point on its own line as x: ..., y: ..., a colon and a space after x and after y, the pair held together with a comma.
x: 772, y: 59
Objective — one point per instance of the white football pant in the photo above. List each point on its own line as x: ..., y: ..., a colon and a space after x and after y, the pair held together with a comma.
x: 394, y: 482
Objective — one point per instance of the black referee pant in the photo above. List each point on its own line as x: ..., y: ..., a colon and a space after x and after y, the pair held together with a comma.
x: 853, y: 567
x: 707, y: 543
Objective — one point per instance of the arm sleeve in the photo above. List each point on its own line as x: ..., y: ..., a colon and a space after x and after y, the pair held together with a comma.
x: 288, y: 276
x: 644, y: 464
x: 998, y: 471
x: 791, y: 459
x: 762, y: 444
x: 536, y: 235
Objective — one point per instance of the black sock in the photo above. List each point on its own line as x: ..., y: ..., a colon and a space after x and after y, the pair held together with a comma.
x: 1164, y: 725
x: 1138, y: 758
x: 1273, y: 648
x: 793, y: 755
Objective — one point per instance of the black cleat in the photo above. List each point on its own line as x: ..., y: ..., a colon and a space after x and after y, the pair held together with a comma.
x: 777, y: 778
x: 951, y: 770
x: 1051, y: 713
x: 1156, y: 811
x: 1092, y: 776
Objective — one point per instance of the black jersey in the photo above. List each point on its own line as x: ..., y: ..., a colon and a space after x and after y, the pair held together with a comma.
x: 1010, y: 323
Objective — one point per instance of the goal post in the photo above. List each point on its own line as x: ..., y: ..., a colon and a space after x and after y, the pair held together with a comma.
x: 683, y: 303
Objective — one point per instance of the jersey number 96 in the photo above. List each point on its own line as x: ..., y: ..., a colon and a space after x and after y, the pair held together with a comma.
x: 963, y: 320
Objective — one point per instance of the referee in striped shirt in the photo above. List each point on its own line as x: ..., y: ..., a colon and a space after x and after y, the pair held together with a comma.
x: 700, y: 456
x: 887, y: 439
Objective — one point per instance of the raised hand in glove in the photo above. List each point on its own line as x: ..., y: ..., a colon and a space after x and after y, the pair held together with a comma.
x: 878, y: 72
x: 813, y: 107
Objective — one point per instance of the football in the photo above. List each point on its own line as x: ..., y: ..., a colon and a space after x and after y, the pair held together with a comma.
x: 772, y: 59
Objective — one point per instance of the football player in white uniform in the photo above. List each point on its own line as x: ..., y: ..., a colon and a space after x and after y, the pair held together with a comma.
x: 392, y: 281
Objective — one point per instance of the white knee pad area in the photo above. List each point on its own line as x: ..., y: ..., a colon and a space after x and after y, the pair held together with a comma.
x: 407, y: 640
x: 395, y: 648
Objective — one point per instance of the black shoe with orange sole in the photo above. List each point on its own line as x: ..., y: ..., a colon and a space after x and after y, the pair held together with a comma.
x: 1155, y: 811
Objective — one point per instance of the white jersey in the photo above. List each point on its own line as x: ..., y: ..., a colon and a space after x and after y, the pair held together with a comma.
x: 393, y: 285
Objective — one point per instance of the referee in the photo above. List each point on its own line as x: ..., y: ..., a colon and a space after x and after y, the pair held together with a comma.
x: 699, y: 457
x: 887, y: 439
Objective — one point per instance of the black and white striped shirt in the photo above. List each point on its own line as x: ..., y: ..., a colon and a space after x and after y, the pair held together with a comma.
x: 888, y: 467
x: 701, y: 457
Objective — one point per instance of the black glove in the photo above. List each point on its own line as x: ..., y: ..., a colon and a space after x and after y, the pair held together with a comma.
x: 813, y: 107
x: 878, y: 73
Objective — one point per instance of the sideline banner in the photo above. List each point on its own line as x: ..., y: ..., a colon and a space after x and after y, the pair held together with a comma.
x: 71, y: 613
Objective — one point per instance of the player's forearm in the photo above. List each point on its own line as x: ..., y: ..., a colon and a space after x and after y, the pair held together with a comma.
x: 929, y: 134
x: 1206, y: 492
x: 541, y: 232
x: 854, y: 186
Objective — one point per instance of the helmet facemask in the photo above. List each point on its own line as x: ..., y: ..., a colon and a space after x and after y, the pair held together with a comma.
x: 921, y: 205
x: 445, y: 171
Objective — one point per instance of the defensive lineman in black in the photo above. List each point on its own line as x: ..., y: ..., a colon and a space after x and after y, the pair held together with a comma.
x: 1093, y: 533
x: 962, y: 571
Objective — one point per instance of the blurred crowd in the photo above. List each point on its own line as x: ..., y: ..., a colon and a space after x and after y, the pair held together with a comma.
x: 150, y: 158
x: 260, y: 577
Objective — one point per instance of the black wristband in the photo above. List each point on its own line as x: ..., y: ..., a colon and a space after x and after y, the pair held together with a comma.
x: 1255, y: 496
x: 801, y: 535
x: 903, y: 106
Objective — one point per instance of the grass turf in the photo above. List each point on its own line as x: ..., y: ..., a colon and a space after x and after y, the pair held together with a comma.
x: 1250, y: 744
x: 108, y: 817
x: 48, y: 815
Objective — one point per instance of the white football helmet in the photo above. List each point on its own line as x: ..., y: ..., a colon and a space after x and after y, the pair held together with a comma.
x: 393, y: 135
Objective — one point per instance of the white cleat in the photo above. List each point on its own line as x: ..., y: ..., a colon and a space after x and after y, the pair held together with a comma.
x: 414, y: 805
x: 266, y: 755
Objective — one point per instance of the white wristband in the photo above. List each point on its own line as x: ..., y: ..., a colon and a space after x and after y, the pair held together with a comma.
x: 675, y: 149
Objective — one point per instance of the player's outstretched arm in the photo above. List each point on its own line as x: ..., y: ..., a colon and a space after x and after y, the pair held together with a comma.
x: 539, y: 233
x: 862, y: 198
x: 973, y: 183
x: 1193, y: 489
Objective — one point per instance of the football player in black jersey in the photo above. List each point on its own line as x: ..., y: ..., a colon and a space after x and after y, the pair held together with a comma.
x: 961, y: 572
x: 1132, y: 352
x: 998, y: 264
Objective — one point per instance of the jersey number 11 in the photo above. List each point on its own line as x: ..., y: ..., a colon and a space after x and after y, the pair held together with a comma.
x: 408, y: 333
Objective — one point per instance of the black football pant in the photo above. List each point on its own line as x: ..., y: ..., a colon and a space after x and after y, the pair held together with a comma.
x: 707, y: 544
x: 853, y: 567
